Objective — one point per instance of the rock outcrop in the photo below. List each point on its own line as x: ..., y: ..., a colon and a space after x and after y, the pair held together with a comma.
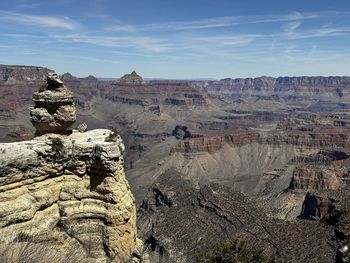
x: 317, y: 206
x: 198, y: 143
x: 69, y: 191
x: 314, y: 178
x: 54, y: 109
x: 181, y: 132
x: 17, y: 73
x: 319, y: 136
x: 132, y: 78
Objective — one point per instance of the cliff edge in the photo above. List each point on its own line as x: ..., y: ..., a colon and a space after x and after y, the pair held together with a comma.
x: 69, y: 190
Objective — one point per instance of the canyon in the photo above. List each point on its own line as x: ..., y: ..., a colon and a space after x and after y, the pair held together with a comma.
x: 266, y: 160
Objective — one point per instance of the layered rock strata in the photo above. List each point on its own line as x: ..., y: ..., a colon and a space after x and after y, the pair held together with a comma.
x: 69, y: 191
x: 198, y: 143
x: 287, y: 87
x: 54, y: 109
x: 314, y: 178
x: 321, y: 136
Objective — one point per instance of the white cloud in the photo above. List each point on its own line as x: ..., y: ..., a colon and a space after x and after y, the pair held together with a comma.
x: 145, y: 43
x: 237, y: 40
x: 292, y: 26
x: 175, y: 26
x: 43, y: 21
x: 121, y: 28
x: 319, y: 32
x: 216, y: 22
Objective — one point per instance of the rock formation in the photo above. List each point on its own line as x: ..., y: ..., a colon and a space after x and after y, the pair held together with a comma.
x: 314, y: 178
x: 54, y: 109
x: 69, y: 191
x: 317, y: 206
x: 181, y: 132
x: 196, y: 143
x: 132, y: 78
x: 18, y: 73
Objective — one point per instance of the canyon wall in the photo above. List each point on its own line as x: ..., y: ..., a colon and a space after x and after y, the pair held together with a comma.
x: 288, y: 87
x: 67, y: 191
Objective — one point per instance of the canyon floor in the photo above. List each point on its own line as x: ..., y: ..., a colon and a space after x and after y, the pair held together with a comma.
x: 265, y: 160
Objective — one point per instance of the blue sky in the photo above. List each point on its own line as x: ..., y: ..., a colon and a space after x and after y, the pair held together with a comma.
x: 178, y: 39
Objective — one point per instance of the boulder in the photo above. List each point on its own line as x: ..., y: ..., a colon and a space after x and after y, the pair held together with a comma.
x: 54, y: 109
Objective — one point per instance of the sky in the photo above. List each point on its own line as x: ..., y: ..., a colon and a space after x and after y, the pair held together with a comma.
x: 179, y: 39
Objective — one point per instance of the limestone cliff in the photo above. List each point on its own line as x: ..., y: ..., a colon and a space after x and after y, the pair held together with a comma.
x: 69, y: 191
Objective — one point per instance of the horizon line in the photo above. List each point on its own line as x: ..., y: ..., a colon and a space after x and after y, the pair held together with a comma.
x: 179, y: 79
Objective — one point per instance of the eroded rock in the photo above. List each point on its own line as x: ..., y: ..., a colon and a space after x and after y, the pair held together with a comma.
x: 69, y: 190
x: 54, y: 109
x: 317, y: 206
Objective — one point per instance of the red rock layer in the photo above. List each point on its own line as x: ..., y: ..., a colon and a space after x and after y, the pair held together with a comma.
x: 313, y: 178
x: 323, y: 136
x: 200, y: 143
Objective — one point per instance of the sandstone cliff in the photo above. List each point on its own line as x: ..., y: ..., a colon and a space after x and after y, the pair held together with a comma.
x: 22, y: 73
x: 69, y: 191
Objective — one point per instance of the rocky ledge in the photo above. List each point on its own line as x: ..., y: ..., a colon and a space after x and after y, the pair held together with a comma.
x: 69, y: 191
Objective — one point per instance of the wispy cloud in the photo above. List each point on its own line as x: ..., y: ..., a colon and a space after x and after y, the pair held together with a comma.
x: 200, y: 43
x: 21, y: 36
x: 176, y: 26
x: 320, y: 32
x: 216, y: 22
x: 42, y: 21
x: 236, y: 40
x: 292, y: 26
x: 145, y: 43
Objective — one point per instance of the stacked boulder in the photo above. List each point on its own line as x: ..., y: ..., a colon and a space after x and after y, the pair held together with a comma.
x: 54, y: 109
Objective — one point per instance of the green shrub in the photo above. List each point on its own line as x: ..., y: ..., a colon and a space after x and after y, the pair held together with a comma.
x: 234, y: 251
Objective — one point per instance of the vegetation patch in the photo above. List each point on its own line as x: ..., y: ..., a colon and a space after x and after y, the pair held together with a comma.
x: 234, y: 251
